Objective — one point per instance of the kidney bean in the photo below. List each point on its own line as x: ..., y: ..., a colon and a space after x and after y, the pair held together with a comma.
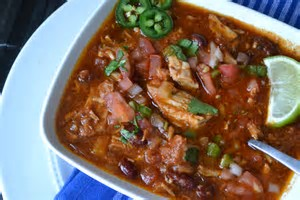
x: 182, y: 180
x: 128, y: 168
x: 205, y: 192
x: 200, y: 39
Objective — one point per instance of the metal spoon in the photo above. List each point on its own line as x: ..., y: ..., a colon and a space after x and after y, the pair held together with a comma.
x: 286, y: 160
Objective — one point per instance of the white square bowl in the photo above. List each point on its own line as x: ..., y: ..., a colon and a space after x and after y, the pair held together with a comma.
x: 102, y: 10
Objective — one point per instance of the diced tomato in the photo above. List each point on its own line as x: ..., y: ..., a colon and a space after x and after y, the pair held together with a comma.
x: 204, y: 57
x: 119, y: 109
x: 155, y: 66
x: 193, y: 62
x: 206, y: 79
x: 229, y: 73
x: 125, y: 84
x: 238, y: 189
x: 248, y: 179
x: 142, y: 68
x: 146, y: 46
x: 144, y: 124
x: 174, y: 151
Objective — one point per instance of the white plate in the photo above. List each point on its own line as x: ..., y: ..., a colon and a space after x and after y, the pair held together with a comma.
x: 28, y: 169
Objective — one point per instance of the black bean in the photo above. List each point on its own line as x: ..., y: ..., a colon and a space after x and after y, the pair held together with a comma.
x: 182, y: 180
x: 200, y: 39
x: 128, y: 168
x: 205, y: 192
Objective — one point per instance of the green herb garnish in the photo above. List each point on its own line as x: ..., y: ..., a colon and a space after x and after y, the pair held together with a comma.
x: 257, y: 70
x: 185, y: 43
x: 144, y: 110
x: 189, y: 134
x: 117, y: 126
x: 127, y: 135
x: 218, y: 139
x: 215, y: 73
x: 213, y: 150
x: 175, y: 50
x: 225, y: 161
x: 191, y: 155
x: 191, y: 47
x: 115, y: 64
x: 198, y: 107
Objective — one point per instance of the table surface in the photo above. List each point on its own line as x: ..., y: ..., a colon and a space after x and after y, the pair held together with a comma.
x: 18, y: 20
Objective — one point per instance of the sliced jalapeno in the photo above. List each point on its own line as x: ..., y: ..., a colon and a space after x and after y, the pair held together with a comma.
x: 162, y: 4
x: 129, y: 11
x: 155, y: 23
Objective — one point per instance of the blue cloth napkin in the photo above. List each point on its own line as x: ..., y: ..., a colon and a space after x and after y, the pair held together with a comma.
x: 82, y: 187
x: 287, y: 11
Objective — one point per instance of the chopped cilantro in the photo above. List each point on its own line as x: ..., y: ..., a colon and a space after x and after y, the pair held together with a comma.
x: 225, y: 161
x: 115, y: 64
x: 213, y: 150
x: 191, y: 47
x: 117, y: 126
x: 198, y: 107
x: 126, y: 47
x: 123, y: 140
x: 144, y: 110
x: 191, y: 155
x: 185, y: 43
x: 175, y: 50
x: 111, y: 67
x: 189, y: 134
x: 120, y: 55
x: 257, y: 70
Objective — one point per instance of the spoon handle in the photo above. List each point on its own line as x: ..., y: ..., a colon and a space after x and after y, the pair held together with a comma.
x: 286, y: 160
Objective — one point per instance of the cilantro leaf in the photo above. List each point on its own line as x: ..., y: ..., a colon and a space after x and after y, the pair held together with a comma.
x: 198, y: 107
x: 145, y: 111
x: 191, y: 155
x: 175, y: 50
x: 122, y: 65
x: 120, y: 55
x: 127, y: 135
x: 113, y: 65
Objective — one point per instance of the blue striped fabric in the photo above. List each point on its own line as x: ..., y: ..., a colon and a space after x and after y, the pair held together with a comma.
x: 287, y: 11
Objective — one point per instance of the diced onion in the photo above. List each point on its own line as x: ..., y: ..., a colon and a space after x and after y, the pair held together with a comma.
x: 216, y: 55
x: 228, y: 59
x: 273, y: 188
x: 134, y: 90
x: 235, y: 169
x: 226, y: 175
x: 213, y: 61
x: 156, y: 120
x: 219, y: 54
x: 140, y: 99
x: 242, y: 58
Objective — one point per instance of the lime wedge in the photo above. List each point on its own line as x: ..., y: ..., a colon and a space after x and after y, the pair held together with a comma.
x: 284, y: 101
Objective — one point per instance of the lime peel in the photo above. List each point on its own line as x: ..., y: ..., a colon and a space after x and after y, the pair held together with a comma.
x: 284, y: 101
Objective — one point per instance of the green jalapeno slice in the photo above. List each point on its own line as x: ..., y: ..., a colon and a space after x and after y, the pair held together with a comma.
x: 155, y: 23
x: 162, y: 4
x: 128, y: 12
